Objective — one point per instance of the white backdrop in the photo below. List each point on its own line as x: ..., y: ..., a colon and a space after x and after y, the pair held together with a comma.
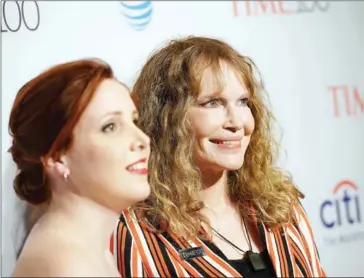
x: 311, y: 58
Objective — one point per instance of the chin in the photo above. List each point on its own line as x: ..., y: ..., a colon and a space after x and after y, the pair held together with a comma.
x: 128, y: 201
x: 141, y: 191
x: 132, y: 194
x: 233, y: 167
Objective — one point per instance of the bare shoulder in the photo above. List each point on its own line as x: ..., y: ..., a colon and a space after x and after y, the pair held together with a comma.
x: 56, y: 262
x: 52, y: 258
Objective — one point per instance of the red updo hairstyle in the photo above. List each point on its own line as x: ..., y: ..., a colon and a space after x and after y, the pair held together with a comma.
x: 42, y: 119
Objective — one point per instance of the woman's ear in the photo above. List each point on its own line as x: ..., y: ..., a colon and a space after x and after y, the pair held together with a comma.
x: 57, y: 168
x: 62, y: 166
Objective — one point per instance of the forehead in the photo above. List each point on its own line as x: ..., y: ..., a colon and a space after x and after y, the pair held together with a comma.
x: 221, y: 80
x: 110, y: 96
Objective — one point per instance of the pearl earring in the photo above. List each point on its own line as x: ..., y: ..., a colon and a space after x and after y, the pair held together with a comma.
x: 65, y: 177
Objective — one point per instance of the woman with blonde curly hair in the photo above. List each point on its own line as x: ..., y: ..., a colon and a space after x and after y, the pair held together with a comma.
x: 219, y: 206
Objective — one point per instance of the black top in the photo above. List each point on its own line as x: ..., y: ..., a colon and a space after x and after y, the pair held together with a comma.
x: 245, y: 270
x: 242, y: 266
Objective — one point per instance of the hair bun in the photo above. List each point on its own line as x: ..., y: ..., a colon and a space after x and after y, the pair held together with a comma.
x: 29, y: 183
x: 31, y: 187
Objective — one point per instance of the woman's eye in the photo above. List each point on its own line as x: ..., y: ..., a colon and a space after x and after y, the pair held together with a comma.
x: 244, y: 101
x: 211, y: 103
x: 109, y: 128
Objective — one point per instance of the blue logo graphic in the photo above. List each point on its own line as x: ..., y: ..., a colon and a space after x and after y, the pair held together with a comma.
x: 342, y: 208
x: 137, y: 13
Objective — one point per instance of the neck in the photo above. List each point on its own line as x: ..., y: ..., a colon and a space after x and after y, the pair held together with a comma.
x: 215, y: 192
x: 87, y: 222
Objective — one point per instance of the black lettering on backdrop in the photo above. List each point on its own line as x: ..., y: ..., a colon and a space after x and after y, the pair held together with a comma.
x: 310, y: 6
x: 21, y: 18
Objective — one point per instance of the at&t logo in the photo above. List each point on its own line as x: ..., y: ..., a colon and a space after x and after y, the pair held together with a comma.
x: 137, y: 13
x: 343, y: 208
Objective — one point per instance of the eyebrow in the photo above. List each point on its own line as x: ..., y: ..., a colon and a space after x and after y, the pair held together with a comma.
x: 211, y: 96
x: 218, y: 95
x: 119, y: 113
x: 114, y: 113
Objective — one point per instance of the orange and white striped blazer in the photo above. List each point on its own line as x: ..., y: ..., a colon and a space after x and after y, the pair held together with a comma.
x: 141, y: 253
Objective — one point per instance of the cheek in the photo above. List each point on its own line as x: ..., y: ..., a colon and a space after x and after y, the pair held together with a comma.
x: 249, y: 122
x: 91, y: 152
x: 205, y: 124
x: 95, y: 156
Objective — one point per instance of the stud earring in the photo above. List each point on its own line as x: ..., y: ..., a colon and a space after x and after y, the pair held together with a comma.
x: 65, y: 177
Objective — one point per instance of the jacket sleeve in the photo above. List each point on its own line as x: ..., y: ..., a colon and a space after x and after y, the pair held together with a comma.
x: 125, y: 251
x: 306, y: 230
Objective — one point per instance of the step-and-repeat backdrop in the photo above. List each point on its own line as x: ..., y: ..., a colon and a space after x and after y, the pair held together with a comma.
x: 310, y: 53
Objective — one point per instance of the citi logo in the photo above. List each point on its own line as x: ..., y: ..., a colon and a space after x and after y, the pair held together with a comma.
x: 263, y: 7
x: 137, y: 13
x: 343, y: 208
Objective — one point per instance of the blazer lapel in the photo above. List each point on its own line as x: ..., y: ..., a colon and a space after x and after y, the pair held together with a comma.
x: 211, y: 264
x: 278, y: 249
x: 214, y: 263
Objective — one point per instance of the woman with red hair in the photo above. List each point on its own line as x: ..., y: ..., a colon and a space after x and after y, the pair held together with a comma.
x: 80, y: 157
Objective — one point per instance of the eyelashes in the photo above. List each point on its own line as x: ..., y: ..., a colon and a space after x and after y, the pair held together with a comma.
x: 112, y: 126
x: 245, y: 101
x: 210, y: 104
x: 217, y: 102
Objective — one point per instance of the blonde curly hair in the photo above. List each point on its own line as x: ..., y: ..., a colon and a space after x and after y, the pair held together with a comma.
x: 167, y: 86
